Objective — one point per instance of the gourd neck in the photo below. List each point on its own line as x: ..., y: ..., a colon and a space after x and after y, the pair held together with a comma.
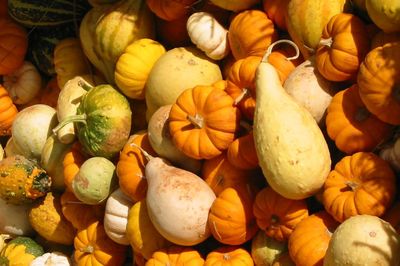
x: 82, y: 118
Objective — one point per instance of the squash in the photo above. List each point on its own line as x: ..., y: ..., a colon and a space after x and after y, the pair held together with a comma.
x: 176, y: 255
x: 15, y: 45
x: 134, y: 65
x: 266, y: 250
x: 229, y: 255
x: 10, y: 149
x: 250, y: 33
x: 170, y: 10
x: 21, y: 250
x: 293, y: 155
x: 352, y: 126
x: 363, y: 239
x: 203, y: 121
x: 208, y: 35
x: 92, y: 245
x: 24, y: 83
x: 168, y: 77
x: 116, y: 216
x: 8, y: 112
x: 385, y: 14
x: 14, y: 219
x: 234, y: 5
x: 362, y: 183
x: 52, y: 259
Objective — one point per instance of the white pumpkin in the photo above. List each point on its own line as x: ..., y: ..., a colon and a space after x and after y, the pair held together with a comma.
x: 14, y: 219
x: 51, y: 259
x: 116, y: 216
x: 23, y: 84
x: 208, y: 35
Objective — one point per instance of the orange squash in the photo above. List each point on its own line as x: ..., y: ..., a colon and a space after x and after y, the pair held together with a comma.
x: 8, y: 111
x: 170, y: 9
x: 176, y: 255
x: 277, y: 215
x: 203, y: 121
x: 362, y: 183
x: 351, y: 125
x: 277, y: 11
x: 242, y: 152
x: 229, y: 255
x: 72, y: 161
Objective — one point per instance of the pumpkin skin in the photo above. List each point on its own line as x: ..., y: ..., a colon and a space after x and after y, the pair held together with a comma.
x: 351, y: 125
x: 276, y: 215
x: 378, y: 80
x: 72, y: 161
x: 8, y: 111
x: 242, y: 152
x: 277, y: 11
x: 250, y: 33
x: 309, y: 241
x: 176, y: 255
x: 171, y: 9
x: 362, y: 183
x: 94, y: 247
x: 49, y: 94
x: 14, y: 39
x: 203, y: 121
x: 229, y: 255
x: 343, y: 46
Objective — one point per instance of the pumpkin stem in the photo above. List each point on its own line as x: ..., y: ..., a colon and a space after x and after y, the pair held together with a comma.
x: 269, y: 50
x: 326, y: 42
x: 351, y: 184
x: 196, y: 120
x: 70, y: 119
x: 87, y: 249
x: 244, y: 94
x: 226, y: 256
x: 145, y: 153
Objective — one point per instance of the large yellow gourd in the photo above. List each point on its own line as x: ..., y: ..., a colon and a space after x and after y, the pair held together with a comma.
x: 291, y: 148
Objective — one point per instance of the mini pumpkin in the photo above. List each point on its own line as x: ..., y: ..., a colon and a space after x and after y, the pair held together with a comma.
x: 49, y: 95
x: 229, y: 255
x: 242, y: 152
x: 72, y: 161
x: 170, y: 9
x: 176, y: 255
x: 8, y: 111
x: 277, y: 11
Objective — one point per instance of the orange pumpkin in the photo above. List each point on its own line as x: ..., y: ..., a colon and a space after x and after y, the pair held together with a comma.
x: 351, y: 125
x: 94, y: 247
x: 14, y: 45
x: 343, y: 46
x: 203, y: 121
x: 242, y: 152
x: 277, y: 215
x: 231, y: 219
x: 362, y: 183
x: 250, y: 33
x: 49, y: 95
x: 72, y: 161
x: 170, y: 9
x: 176, y: 255
x: 3, y: 8
x: 131, y: 165
x: 229, y: 255
x: 277, y: 11
x: 392, y: 216
x: 378, y: 80
x: 309, y: 240
x: 173, y: 33
x: 8, y: 112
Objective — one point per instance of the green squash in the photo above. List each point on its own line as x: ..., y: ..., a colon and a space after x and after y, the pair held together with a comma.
x: 21, y: 250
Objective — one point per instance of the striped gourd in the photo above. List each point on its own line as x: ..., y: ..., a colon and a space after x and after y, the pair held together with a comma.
x: 41, y: 13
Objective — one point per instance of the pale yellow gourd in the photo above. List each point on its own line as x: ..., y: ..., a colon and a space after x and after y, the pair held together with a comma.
x: 292, y: 151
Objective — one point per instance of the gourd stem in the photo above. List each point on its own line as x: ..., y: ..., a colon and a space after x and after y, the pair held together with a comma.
x: 351, y: 184
x: 70, y: 119
x: 86, y: 86
x: 326, y: 42
x: 269, y: 50
x: 197, y: 120
x: 145, y: 153
x: 245, y: 92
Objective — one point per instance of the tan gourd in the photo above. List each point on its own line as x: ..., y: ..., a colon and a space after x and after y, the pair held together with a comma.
x: 291, y: 148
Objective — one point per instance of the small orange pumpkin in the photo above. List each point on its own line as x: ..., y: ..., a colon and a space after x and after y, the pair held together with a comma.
x: 170, y: 9
x: 49, y: 95
x: 176, y: 255
x: 8, y: 112
x: 242, y: 152
x: 229, y: 255
x: 72, y: 161
x: 276, y: 215
x: 203, y: 121
x: 362, y: 183
x: 277, y: 11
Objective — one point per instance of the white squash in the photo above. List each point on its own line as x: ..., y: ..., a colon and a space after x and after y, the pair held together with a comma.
x: 10, y: 149
x: 116, y: 216
x: 24, y: 84
x: 1, y: 152
x: 51, y: 259
x: 208, y: 35
x: 31, y: 128
x: 292, y: 151
x: 363, y: 240
x: 14, y: 219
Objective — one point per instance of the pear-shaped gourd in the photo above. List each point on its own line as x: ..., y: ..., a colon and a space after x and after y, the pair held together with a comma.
x: 178, y: 202
x: 291, y: 148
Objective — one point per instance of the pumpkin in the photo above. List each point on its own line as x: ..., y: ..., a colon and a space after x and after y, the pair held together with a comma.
x: 362, y: 183
x: 381, y: 38
x: 385, y: 14
x: 14, y: 39
x: 52, y: 259
x: 170, y: 9
x: 266, y: 250
x: 208, y: 35
x: 276, y: 215
x: 133, y: 66
x: 229, y: 255
x: 234, y: 5
x: 309, y: 240
x: 231, y: 219
x: 8, y: 112
x: 250, y: 33
x: 378, y: 80
x: 176, y: 255
x: 69, y: 60
x: 351, y: 125
x: 173, y: 33
x: 3, y: 8
x: 343, y: 46
x: 93, y: 246
x: 277, y: 11
x: 24, y: 83
x: 72, y: 161
x: 284, y: 61
x: 21, y: 250
x: 203, y: 121
x: 242, y: 153
x: 49, y: 95
x: 131, y: 166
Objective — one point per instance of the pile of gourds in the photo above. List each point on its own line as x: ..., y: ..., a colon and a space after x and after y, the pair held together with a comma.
x: 211, y: 132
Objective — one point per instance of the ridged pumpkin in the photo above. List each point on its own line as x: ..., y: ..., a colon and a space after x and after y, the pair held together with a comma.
x: 203, y: 121
x: 343, y: 46
x: 14, y: 40
x: 229, y: 255
x: 310, y: 239
x: 277, y: 11
x: 378, y: 80
x: 8, y: 111
x: 242, y: 152
x: 134, y: 65
x: 72, y: 161
x: 250, y: 33
x: 362, y: 183
x: 170, y: 9
x: 276, y: 215
x: 351, y: 125
x: 176, y: 255
x: 93, y: 247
